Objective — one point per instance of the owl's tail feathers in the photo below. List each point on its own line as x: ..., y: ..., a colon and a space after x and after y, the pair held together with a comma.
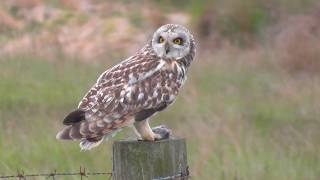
x: 85, y: 143
x: 71, y: 132
x: 72, y: 129
x: 90, y: 133
x: 64, y: 134
x: 88, y: 144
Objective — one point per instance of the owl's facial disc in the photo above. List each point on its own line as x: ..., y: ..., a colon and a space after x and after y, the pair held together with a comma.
x: 171, y: 42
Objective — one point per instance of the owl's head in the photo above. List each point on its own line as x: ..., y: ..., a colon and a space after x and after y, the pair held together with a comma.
x: 172, y: 41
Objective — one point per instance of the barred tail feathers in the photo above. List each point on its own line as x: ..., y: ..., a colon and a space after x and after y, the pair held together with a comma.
x: 87, y: 144
x: 92, y: 133
x: 71, y: 132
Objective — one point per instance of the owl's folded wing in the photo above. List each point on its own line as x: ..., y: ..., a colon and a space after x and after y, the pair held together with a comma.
x: 123, y: 89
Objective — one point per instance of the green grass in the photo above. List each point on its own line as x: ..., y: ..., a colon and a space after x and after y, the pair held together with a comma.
x: 238, y: 121
x: 35, y: 96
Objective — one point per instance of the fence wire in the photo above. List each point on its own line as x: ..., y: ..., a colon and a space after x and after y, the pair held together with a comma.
x: 83, y: 174
x: 181, y: 176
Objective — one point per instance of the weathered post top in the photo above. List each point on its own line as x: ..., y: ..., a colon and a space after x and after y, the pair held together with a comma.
x: 142, y: 160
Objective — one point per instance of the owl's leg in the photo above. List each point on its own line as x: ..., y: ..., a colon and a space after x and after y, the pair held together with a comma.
x: 137, y: 133
x: 143, y: 129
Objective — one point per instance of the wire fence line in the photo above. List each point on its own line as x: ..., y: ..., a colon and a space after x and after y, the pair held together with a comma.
x: 83, y: 174
x: 181, y: 175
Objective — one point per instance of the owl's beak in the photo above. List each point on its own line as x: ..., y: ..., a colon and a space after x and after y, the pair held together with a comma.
x: 167, y: 48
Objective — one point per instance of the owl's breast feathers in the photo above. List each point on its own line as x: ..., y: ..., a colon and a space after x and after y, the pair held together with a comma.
x: 142, y: 82
x: 132, y: 90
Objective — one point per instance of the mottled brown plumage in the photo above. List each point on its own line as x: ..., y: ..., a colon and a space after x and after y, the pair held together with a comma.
x: 131, y: 91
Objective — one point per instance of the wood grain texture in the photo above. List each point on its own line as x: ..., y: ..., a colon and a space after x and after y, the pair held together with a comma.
x: 141, y: 160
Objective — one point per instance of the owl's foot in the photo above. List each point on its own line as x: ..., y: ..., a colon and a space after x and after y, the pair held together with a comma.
x: 145, y: 133
x: 161, y: 132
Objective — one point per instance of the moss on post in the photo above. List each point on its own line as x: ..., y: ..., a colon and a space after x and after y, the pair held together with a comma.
x: 138, y: 160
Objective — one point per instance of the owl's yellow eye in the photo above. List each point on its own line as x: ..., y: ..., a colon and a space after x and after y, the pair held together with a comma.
x: 178, y: 41
x: 161, y: 40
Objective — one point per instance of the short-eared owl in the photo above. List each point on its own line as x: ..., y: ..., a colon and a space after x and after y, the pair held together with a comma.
x: 134, y: 90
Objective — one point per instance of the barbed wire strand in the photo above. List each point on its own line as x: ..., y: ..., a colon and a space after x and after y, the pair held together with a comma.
x: 82, y: 173
x: 181, y: 175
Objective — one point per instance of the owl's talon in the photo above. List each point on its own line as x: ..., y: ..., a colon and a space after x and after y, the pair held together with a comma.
x: 161, y: 132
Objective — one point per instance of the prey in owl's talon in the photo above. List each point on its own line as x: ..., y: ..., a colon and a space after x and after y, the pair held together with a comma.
x: 161, y: 132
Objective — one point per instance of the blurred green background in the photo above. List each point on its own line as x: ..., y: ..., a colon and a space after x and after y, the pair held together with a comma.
x: 249, y: 110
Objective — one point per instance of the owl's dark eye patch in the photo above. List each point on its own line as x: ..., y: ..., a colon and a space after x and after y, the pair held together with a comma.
x: 161, y: 39
x: 178, y: 41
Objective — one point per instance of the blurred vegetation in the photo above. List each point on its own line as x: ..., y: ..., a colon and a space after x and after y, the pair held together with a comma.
x: 249, y: 110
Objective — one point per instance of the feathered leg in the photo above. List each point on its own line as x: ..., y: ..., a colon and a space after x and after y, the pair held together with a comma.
x: 144, y: 131
x: 143, y: 128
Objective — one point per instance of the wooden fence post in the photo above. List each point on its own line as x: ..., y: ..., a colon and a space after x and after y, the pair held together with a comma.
x: 141, y: 160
